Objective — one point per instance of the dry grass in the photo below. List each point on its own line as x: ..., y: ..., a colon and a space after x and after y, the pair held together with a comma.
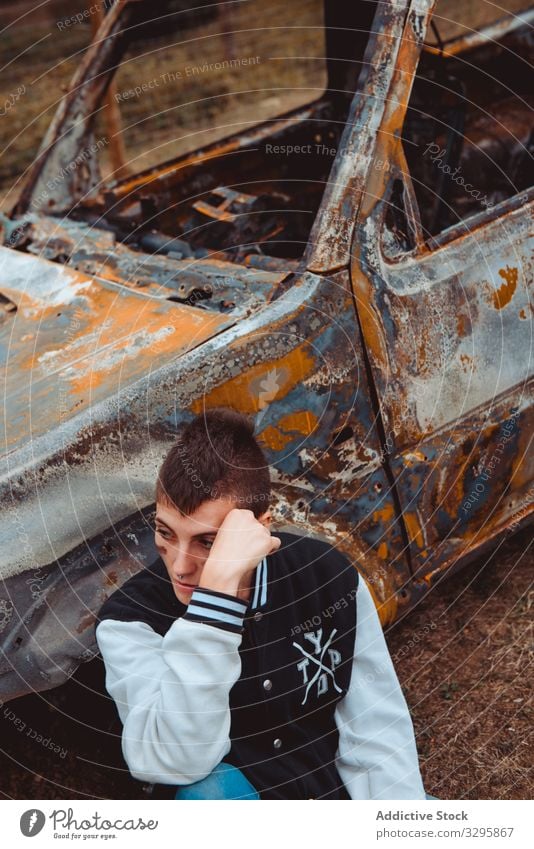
x: 178, y: 114
x: 468, y: 685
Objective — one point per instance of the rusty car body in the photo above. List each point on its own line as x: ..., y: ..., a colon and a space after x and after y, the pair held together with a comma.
x: 371, y: 312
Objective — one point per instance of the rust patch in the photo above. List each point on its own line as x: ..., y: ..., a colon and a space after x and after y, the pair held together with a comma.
x: 277, y: 438
x: 463, y: 323
x: 86, y: 621
x: 505, y: 292
x: 385, y: 514
x: 467, y: 362
x: 414, y: 529
x: 252, y: 390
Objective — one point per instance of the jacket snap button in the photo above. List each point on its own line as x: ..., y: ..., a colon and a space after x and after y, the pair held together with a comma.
x: 277, y: 743
x: 258, y: 616
x: 267, y: 685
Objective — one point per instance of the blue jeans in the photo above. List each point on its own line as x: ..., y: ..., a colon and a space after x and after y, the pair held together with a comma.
x: 225, y: 782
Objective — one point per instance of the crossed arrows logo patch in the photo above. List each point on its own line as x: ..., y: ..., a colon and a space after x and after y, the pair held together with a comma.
x: 313, y: 663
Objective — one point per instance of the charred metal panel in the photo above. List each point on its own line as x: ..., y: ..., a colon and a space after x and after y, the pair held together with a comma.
x: 331, y: 237
x: 207, y: 284
x: 448, y: 333
x: 75, y: 341
x: 469, y: 481
x: 47, y: 614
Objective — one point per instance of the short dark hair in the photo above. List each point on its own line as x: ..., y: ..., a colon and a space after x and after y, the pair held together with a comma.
x: 215, y: 456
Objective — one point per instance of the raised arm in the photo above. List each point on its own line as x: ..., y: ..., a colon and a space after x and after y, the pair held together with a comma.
x: 172, y: 692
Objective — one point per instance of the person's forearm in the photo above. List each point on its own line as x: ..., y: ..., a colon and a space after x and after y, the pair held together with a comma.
x: 215, y: 577
x: 172, y: 694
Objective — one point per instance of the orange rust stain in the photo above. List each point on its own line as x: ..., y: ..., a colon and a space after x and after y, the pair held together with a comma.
x: 85, y: 622
x: 111, y: 338
x: 503, y: 295
x: 463, y: 325
x: 384, y: 597
x: 135, y: 339
x: 522, y: 314
x: 385, y: 514
x: 414, y: 529
x: 248, y: 392
x: 382, y: 551
x: 412, y: 458
x: 278, y: 437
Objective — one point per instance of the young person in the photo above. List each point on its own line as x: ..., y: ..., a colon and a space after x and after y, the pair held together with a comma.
x: 248, y: 661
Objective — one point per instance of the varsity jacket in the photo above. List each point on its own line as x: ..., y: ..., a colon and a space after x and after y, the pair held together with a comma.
x: 295, y: 687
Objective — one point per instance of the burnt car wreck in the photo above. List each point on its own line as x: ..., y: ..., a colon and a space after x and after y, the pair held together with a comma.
x: 355, y: 273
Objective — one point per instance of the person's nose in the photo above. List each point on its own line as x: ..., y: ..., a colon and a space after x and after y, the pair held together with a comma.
x: 182, y: 563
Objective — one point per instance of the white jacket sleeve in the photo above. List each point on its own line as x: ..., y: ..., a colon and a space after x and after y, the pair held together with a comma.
x: 377, y: 756
x: 172, y: 692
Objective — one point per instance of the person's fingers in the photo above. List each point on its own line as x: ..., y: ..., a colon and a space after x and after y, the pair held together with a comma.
x: 276, y: 543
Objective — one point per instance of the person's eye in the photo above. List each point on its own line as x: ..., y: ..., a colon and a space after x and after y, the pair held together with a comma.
x: 207, y: 543
x: 163, y: 532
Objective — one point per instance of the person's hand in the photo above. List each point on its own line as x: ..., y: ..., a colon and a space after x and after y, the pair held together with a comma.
x: 241, y: 543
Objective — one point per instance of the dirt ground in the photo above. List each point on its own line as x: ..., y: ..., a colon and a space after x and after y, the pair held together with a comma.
x: 464, y: 659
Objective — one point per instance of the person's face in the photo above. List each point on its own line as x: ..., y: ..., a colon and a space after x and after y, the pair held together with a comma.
x: 184, y: 542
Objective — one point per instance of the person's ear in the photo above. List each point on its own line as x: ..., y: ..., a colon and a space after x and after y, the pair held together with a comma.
x: 265, y: 518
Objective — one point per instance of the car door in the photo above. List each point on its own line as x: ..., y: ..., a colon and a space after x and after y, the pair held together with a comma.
x: 446, y: 308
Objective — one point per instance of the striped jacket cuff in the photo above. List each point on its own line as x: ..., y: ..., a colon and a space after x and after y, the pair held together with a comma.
x: 214, y: 608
